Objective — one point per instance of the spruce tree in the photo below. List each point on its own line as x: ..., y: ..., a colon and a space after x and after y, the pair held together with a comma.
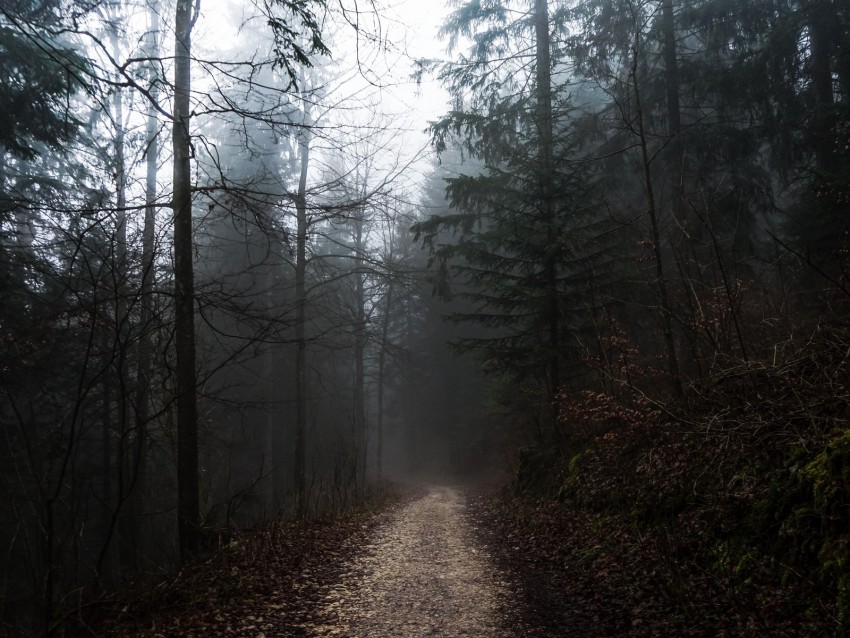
x: 516, y: 233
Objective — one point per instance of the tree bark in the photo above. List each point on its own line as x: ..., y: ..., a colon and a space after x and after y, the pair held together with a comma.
x: 360, y: 426
x: 821, y: 19
x: 188, y: 514
x: 840, y: 36
x: 661, y: 282
x: 300, y: 325
x: 125, y: 471
x: 382, y: 358
x: 144, y: 354
x: 546, y: 167
x: 671, y: 67
x: 674, y: 112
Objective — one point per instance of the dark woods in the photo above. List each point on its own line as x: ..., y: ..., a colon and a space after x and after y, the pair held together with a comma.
x: 217, y: 310
x: 646, y: 217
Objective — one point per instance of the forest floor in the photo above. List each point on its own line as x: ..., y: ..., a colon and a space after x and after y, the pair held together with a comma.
x: 440, y: 561
x: 423, y: 573
x: 418, y: 566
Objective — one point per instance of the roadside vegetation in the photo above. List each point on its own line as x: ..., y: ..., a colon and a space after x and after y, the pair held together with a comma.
x: 725, y: 516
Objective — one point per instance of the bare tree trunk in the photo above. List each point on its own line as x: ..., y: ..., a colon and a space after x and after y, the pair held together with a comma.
x: 821, y: 19
x: 188, y: 514
x: 674, y: 111
x: 414, y: 456
x: 841, y: 47
x: 546, y: 167
x: 671, y: 67
x: 360, y: 426
x: 124, y: 472
x: 661, y: 282
x: 107, y: 469
x: 145, y: 348
x: 114, y: 340
x: 300, y: 325
x: 382, y: 358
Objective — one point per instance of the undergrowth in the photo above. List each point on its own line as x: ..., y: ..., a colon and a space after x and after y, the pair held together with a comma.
x: 728, y: 515
x: 230, y: 590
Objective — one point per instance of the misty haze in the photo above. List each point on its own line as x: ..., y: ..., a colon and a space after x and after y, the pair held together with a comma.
x: 370, y: 318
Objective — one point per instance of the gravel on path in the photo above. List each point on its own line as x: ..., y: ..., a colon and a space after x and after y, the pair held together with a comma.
x: 423, y: 573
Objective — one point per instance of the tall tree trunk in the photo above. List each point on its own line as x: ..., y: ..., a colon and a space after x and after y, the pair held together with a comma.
x: 671, y: 67
x: 188, y: 514
x: 107, y: 485
x: 821, y: 19
x: 678, y: 154
x: 382, y: 358
x: 125, y: 472
x: 674, y: 112
x: 652, y: 210
x: 840, y: 36
x: 119, y: 274
x: 547, y: 174
x: 300, y: 325
x: 414, y: 455
x: 360, y: 426
x: 115, y: 338
x: 145, y: 345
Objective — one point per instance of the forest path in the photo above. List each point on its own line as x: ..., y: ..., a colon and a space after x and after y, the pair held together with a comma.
x: 424, y: 573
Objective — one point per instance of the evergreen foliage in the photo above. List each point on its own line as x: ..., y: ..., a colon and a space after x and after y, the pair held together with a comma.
x: 39, y: 74
x: 514, y: 244
x: 495, y: 242
x: 638, y: 222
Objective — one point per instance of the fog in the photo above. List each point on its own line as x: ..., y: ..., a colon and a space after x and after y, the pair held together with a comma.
x: 375, y: 243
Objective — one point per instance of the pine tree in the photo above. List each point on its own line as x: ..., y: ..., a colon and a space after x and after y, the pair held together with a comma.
x: 522, y: 222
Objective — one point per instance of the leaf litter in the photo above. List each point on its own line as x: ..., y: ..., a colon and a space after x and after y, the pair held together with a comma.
x: 414, y: 568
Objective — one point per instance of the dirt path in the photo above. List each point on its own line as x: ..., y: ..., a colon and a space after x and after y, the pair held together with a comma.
x: 423, y: 574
